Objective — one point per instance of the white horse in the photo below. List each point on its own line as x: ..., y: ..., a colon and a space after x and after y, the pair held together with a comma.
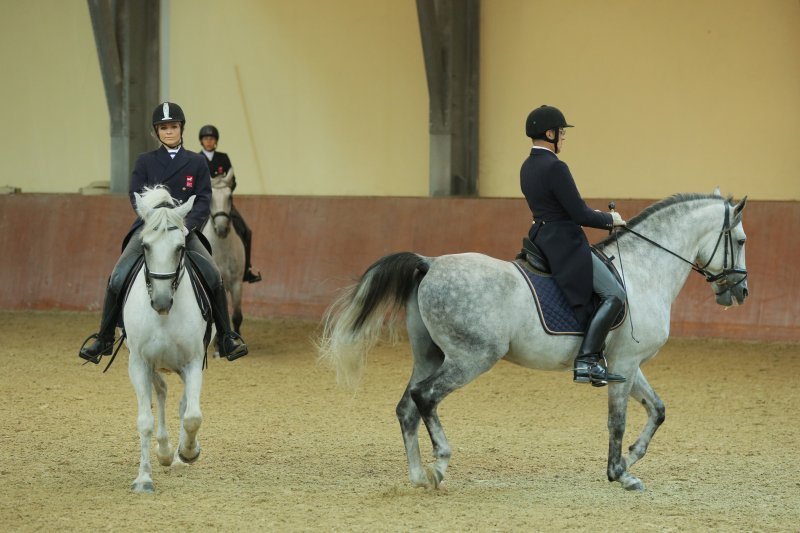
x: 466, y: 312
x: 165, y: 330
x: 226, y: 245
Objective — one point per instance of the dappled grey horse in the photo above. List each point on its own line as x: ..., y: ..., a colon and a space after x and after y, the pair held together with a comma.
x: 227, y: 247
x: 466, y: 312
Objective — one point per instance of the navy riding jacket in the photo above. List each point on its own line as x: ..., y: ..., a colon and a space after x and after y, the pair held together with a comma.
x: 186, y: 175
x: 558, y: 214
x: 219, y: 165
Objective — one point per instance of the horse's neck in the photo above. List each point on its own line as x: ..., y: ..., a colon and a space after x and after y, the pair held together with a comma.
x: 681, y: 229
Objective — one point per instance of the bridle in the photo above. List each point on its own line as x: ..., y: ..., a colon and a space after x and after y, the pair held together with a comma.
x: 175, y: 276
x: 724, y: 237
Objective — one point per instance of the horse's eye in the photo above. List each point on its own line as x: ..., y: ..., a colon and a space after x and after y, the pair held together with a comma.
x: 741, y: 242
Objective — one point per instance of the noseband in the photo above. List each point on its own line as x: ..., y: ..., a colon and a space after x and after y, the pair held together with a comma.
x: 175, y: 276
x: 725, y: 237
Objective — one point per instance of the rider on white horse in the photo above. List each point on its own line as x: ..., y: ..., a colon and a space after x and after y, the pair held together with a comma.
x: 186, y: 174
x: 558, y: 214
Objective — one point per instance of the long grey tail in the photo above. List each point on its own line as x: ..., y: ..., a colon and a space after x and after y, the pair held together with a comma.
x: 354, y: 322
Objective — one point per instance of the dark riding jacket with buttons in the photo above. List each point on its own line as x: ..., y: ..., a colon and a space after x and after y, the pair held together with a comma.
x: 186, y: 175
x: 558, y: 214
x: 219, y: 165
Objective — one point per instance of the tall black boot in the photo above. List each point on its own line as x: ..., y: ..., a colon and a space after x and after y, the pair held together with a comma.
x: 104, y: 339
x: 590, y: 362
x: 230, y: 344
x: 246, y: 236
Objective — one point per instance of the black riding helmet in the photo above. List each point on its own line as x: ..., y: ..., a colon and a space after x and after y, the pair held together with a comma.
x: 168, y: 112
x: 542, y: 119
x: 209, y: 131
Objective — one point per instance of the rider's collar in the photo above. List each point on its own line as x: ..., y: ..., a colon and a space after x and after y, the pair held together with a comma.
x: 543, y: 148
x: 209, y: 155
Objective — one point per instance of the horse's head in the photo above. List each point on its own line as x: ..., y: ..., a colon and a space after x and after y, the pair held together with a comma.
x: 221, y: 203
x: 164, y: 244
x: 721, y: 257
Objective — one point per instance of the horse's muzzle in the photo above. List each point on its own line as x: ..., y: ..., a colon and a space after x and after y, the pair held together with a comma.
x: 161, y: 307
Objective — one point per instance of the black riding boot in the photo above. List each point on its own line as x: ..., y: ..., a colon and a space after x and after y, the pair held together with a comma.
x: 246, y: 235
x: 590, y: 362
x: 230, y: 344
x: 104, y: 339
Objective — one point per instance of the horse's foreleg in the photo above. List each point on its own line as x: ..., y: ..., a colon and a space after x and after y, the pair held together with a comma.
x: 191, y: 417
x: 643, y: 393
x: 141, y: 378
x: 164, y: 451
x: 617, y: 411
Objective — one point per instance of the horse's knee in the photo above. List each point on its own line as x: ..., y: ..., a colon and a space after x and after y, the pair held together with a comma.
x: 656, y: 410
x: 144, y: 423
x: 661, y: 413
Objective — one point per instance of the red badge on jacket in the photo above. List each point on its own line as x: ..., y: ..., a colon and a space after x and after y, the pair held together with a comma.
x: 190, y: 182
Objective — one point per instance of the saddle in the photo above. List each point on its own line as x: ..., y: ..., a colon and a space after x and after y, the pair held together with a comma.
x: 554, y: 310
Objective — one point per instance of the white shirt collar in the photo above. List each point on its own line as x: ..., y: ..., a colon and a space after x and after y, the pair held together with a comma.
x: 543, y: 148
x: 209, y: 155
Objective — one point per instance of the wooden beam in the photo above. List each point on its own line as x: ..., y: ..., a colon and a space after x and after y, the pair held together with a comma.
x: 126, y: 35
x: 450, y: 34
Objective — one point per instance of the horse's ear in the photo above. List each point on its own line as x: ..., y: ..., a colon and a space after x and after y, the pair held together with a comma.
x: 716, y: 192
x: 186, y: 206
x: 141, y: 209
x: 229, y: 177
x: 737, y: 211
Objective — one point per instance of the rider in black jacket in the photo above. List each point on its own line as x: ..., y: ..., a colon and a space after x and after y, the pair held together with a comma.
x: 558, y: 214
x: 218, y: 165
x: 185, y: 174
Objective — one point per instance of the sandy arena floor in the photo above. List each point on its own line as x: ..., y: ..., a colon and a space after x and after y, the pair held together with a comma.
x: 285, y: 450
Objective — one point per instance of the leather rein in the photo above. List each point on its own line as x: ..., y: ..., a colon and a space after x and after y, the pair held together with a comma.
x: 724, y: 237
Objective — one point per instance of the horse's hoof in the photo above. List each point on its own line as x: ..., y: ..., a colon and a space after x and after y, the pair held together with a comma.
x: 143, y: 488
x: 187, y: 460
x: 434, y: 477
x: 637, y: 486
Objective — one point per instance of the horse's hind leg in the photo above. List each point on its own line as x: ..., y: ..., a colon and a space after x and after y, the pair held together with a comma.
x: 190, y: 415
x: 455, y: 371
x: 427, y: 358
x: 643, y: 393
x: 164, y: 451
x: 141, y: 379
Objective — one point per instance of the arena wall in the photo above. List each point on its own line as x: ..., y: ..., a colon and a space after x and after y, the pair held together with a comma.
x: 58, y: 251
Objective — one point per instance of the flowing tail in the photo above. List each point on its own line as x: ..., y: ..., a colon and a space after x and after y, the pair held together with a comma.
x: 353, y: 323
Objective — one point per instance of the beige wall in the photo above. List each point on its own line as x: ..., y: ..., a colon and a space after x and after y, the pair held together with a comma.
x: 316, y: 97
x: 669, y: 96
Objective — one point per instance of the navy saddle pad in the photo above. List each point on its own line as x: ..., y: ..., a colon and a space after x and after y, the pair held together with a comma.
x: 554, y: 311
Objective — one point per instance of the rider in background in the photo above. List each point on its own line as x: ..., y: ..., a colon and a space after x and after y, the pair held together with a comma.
x: 218, y: 165
x: 558, y: 214
x: 185, y: 174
